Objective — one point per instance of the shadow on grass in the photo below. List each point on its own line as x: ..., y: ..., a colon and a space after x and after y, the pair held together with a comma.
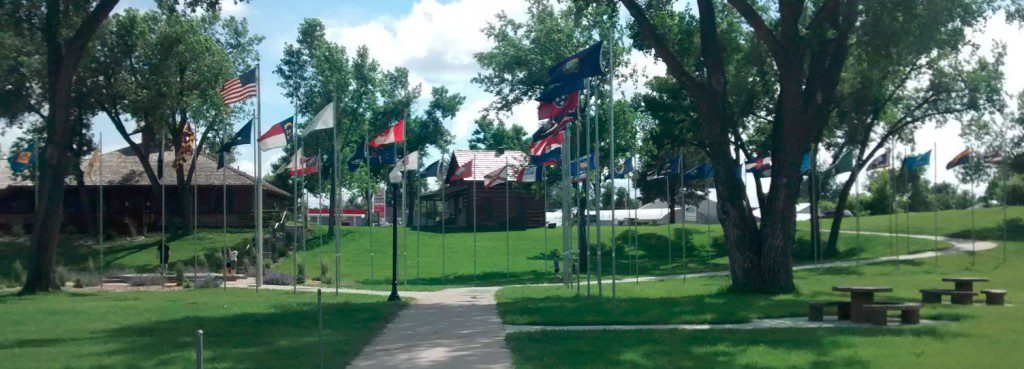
x: 285, y: 338
x: 1014, y: 231
x: 777, y: 348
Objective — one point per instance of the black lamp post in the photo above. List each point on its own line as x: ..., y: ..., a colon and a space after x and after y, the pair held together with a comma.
x: 395, y: 178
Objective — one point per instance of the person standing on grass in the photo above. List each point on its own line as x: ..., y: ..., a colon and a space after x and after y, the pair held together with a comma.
x: 232, y: 260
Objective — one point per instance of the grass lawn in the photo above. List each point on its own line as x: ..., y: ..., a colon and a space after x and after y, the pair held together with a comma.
x: 976, y: 336
x: 988, y: 223
x: 242, y: 329
x: 527, y: 262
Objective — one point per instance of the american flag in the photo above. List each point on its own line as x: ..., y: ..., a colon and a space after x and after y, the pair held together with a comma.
x: 240, y: 88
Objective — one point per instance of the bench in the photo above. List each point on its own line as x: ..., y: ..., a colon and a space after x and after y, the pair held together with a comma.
x: 910, y: 313
x: 955, y: 297
x: 816, y: 310
x: 995, y: 297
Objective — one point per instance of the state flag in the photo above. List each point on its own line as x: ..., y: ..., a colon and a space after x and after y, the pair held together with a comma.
x: 496, y: 177
x: 393, y: 134
x: 462, y: 172
x: 431, y: 171
x: 242, y: 137
x: 881, y: 161
x: 960, y: 159
x: 560, y: 106
x: 279, y: 135
x: 543, y: 145
x: 530, y: 174
x: 583, y: 64
x: 323, y: 120
x: 23, y: 159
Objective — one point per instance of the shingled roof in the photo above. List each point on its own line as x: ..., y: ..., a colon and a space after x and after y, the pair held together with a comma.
x: 487, y: 161
x: 121, y: 168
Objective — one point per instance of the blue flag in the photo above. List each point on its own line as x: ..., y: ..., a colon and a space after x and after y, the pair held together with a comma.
x: 357, y: 158
x: 622, y: 170
x: 917, y: 161
x: 242, y: 137
x: 551, y: 157
x: 431, y: 171
x: 23, y: 159
x: 703, y: 171
x: 579, y: 167
x: 805, y: 163
x: 557, y: 90
x: 583, y: 64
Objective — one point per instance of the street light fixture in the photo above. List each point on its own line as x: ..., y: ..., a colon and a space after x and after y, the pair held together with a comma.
x: 395, y: 177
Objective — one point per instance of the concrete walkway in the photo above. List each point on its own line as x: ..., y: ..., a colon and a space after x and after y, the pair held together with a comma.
x: 453, y: 328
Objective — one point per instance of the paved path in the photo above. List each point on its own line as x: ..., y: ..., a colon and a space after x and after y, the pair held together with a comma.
x: 460, y: 328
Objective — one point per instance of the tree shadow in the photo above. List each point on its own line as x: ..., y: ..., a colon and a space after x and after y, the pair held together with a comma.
x: 1014, y: 231
x: 283, y: 338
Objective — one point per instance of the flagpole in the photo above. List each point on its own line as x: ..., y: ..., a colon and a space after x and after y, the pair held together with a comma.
x: 405, y: 207
x: 597, y: 194
x: 444, y: 212
x: 856, y: 182
x: 295, y: 204
x: 544, y: 190
x: 224, y: 210
x: 935, y: 205
x: 682, y: 216
x: 473, y: 174
x: 417, y: 217
x: 906, y: 224
x: 195, y: 214
x: 973, y: 205
x: 103, y: 265
x: 259, y: 186
x: 636, y: 226
x: 566, y: 221
x: 370, y: 195
x: 892, y: 199
x: 508, y: 247
x: 336, y: 205
x: 586, y: 186
x: 611, y: 155
x: 668, y: 226
x: 319, y: 208
x: 163, y: 209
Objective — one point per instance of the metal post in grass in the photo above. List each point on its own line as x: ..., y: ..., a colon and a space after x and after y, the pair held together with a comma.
x: 935, y: 205
x: 199, y: 349
x: 395, y: 178
x: 320, y: 325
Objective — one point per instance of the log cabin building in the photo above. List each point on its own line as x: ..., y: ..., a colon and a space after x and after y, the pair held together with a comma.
x: 526, y: 208
x: 132, y: 203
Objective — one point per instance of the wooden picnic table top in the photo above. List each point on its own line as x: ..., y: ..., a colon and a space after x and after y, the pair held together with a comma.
x: 861, y: 289
x: 965, y: 279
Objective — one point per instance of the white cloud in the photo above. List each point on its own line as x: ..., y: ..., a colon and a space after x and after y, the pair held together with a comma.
x: 233, y: 7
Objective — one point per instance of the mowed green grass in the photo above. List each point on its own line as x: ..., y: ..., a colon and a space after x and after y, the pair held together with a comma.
x: 242, y: 329
x: 429, y: 265
x: 987, y: 223
x: 974, y: 336
x: 75, y: 252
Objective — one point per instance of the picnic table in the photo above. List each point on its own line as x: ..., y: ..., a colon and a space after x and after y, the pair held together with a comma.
x: 965, y: 284
x: 860, y: 296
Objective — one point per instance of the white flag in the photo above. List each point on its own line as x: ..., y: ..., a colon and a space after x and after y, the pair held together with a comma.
x: 411, y: 161
x: 323, y: 120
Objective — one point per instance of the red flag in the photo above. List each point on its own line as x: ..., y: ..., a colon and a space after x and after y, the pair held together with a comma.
x: 566, y: 103
x: 463, y: 171
x: 497, y: 177
x: 391, y: 135
x: 539, y: 147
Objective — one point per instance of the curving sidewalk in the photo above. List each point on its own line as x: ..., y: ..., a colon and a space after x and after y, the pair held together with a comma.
x: 460, y: 327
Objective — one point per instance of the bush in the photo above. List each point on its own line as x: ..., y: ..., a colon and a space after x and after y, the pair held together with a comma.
x: 17, y: 230
x: 117, y: 271
x: 85, y: 279
x: 277, y: 279
x: 206, y: 282
x: 323, y: 272
x: 146, y: 280
x: 179, y: 274
x: 301, y: 277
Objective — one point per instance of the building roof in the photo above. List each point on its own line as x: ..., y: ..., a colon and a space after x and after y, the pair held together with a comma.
x: 487, y: 161
x: 121, y: 168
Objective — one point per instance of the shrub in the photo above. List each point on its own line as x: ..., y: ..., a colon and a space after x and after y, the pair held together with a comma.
x: 323, y: 272
x: 85, y: 279
x: 17, y: 230
x: 19, y: 272
x: 179, y: 274
x: 277, y: 279
x: 301, y: 276
x: 206, y: 282
x: 117, y: 271
x: 146, y: 280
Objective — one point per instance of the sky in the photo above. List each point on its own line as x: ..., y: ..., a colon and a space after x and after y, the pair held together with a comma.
x: 436, y: 41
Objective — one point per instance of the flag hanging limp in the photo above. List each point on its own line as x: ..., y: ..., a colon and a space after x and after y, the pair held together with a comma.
x: 242, y: 137
x: 188, y: 146
x: 23, y: 159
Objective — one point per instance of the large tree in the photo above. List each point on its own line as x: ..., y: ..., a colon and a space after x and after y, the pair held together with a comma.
x: 55, y: 36
x: 155, y: 72
x: 894, y: 85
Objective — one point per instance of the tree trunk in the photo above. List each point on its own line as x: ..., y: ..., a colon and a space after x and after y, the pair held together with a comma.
x: 832, y: 245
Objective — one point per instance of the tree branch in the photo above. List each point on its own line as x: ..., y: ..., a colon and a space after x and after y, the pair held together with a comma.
x: 761, y: 31
x: 650, y: 35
